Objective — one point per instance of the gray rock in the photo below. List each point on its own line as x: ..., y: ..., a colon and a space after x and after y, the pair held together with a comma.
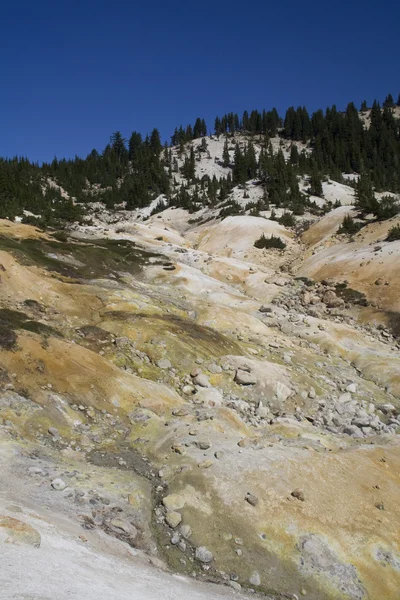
x: 173, y: 518
x: 202, y: 380
x: 245, y: 378
x: 204, y: 444
x: 265, y: 309
x: 182, y: 545
x: 188, y: 390
x: 58, y: 484
x: 203, y: 554
x: 164, y: 363
x: 173, y: 502
x: 352, y: 388
x: 53, y: 431
x: 186, y: 531
x: 255, y: 578
x: 215, y: 369
x: 209, y: 396
x: 175, y: 538
x: 354, y: 431
x: 251, y: 499
x: 235, y: 585
x: 331, y: 300
x: 299, y: 494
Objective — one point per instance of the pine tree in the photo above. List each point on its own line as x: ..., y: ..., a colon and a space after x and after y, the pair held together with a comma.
x: 118, y: 146
x: 225, y: 154
x: 316, y: 184
x: 294, y: 154
x: 365, y: 197
x: 135, y: 143
x: 389, y: 102
x: 155, y: 142
x: 197, y: 129
x: 250, y: 161
x: 239, y: 167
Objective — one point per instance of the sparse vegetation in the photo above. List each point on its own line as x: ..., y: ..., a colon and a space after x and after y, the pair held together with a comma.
x: 271, y: 242
x: 349, y: 226
x: 287, y: 220
x: 393, y: 234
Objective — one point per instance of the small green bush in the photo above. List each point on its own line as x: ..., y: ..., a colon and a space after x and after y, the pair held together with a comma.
x: 387, y: 208
x: 272, y: 242
x: 349, y: 226
x: 394, y: 234
x: 287, y: 220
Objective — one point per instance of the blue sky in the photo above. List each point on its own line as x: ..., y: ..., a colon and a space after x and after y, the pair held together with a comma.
x: 74, y: 72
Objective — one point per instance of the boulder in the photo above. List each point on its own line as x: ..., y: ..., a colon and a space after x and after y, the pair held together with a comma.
x: 245, y: 378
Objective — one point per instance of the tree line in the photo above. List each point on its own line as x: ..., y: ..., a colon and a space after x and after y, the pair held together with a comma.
x: 138, y: 169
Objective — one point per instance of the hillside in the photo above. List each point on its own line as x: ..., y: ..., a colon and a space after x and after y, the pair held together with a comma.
x: 200, y: 367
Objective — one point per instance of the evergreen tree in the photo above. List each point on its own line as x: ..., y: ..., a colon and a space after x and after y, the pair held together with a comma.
x: 294, y: 154
x: 389, y: 102
x: 135, y: 143
x: 366, y: 201
x: 155, y: 142
x: 197, y: 129
x: 316, y: 184
x: 117, y: 143
x: 225, y: 154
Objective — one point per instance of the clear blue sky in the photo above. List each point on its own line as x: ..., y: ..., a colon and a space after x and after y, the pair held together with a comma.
x: 73, y: 72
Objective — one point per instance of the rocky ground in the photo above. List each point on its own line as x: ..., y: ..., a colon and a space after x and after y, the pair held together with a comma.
x: 172, y: 395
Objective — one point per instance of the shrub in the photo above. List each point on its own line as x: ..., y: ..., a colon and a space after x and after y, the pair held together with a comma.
x: 233, y: 209
x: 387, y: 208
x: 60, y: 236
x: 272, y: 242
x: 349, y: 226
x: 287, y: 220
x: 393, y: 234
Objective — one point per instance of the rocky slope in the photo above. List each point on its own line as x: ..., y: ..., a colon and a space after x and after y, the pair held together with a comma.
x: 173, y: 395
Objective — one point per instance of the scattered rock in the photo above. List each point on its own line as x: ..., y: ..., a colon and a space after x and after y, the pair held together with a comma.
x: 299, y: 494
x: 173, y: 518
x: 58, y: 484
x: 173, y: 502
x: 331, y: 300
x: 265, y: 309
x: 164, y: 363
x: 202, y: 380
x: 204, y: 444
x: 251, y: 499
x: 245, y: 378
x: 352, y: 388
x: 208, y: 396
x: 186, y: 531
x: 255, y: 578
x: 203, y: 554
